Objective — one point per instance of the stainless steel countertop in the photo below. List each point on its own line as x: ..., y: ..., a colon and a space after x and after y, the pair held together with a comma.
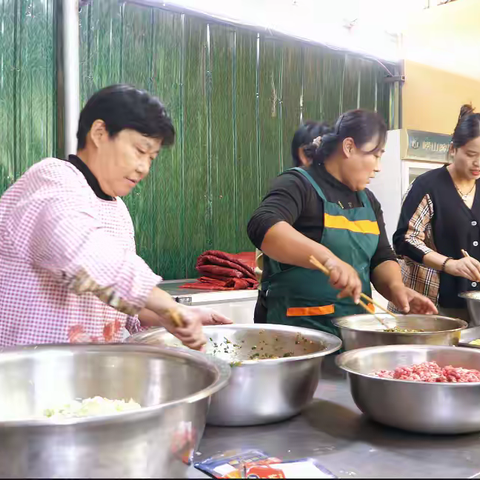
x: 173, y: 288
x: 333, y: 431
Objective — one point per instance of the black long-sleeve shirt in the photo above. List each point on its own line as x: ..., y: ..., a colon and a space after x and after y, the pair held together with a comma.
x: 435, y: 218
x: 292, y: 199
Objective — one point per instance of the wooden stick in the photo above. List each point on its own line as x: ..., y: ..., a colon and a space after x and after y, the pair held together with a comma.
x: 466, y: 255
x: 319, y: 265
x: 175, y: 317
x: 365, y: 306
x: 325, y: 270
x: 371, y: 300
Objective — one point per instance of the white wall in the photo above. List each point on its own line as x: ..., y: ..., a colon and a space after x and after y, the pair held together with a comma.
x: 371, y: 27
x: 387, y: 185
x: 238, y: 312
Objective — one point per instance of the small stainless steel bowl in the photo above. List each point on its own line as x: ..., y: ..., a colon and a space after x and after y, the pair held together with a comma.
x: 473, y: 305
x: 260, y: 391
x: 468, y: 336
x: 360, y: 331
x: 439, y: 408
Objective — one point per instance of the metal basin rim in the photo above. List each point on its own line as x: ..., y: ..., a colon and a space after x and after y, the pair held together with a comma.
x: 340, y: 359
x: 222, y: 368
x: 335, y: 341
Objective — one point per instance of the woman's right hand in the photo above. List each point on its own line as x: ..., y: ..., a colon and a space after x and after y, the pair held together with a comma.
x: 164, y: 309
x: 345, y: 278
x: 467, y: 267
x: 191, y: 332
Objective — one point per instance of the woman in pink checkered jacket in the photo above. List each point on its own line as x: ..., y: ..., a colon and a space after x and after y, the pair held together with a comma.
x: 69, y: 271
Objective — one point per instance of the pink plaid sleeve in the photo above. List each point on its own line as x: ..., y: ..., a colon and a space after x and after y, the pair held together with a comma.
x: 133, y: 325
x: 58, y: 228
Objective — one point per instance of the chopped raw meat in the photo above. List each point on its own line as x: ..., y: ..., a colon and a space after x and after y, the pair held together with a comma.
x: 431, y: 372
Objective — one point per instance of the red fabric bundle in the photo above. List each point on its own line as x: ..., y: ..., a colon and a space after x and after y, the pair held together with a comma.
x: 225, y: 271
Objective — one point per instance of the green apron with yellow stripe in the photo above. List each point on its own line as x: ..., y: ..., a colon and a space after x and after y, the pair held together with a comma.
x: 301, y: 297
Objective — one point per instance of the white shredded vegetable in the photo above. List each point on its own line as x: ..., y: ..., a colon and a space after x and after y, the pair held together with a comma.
x: 91, y: 407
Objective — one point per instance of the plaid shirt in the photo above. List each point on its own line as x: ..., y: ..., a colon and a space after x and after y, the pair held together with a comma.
x: 66, y: 258
x: 416, y: 276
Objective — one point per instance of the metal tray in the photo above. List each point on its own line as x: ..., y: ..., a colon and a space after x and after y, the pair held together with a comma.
x: 468, y: 335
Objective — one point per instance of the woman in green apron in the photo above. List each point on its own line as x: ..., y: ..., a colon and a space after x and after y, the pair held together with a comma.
x: 325, y: 210
x: 304, y: 136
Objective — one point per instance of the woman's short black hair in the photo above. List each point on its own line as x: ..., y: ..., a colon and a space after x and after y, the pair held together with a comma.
x: 468, y: 127
x: 361, y: 125
x: 304, y: 136
x: 125, y: 107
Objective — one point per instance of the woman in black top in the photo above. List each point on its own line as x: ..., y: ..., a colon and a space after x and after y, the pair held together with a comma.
x: 440, y: 217
x: 324, y: 210
x: 304, y: 136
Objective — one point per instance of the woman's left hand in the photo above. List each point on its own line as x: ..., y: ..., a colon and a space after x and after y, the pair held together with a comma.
x: 410, y: 301
x: 209, y: 316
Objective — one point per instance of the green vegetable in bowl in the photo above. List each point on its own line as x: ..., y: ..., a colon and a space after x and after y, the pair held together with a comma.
x: 401, y: 330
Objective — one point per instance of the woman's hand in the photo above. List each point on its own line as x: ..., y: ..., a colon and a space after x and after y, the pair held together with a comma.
x: 209, y: 316
x: 344, y: 278
x: 191, y: 332
x: 193, y: 318
x: 161, y: 308
x: 410, y: 301
x: 466, y: 267
x: 420, y: 304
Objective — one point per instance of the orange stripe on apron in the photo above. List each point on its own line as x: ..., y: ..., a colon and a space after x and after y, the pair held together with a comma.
x: 371, y: 307
x: 310, y: 311
x: 317, y: 311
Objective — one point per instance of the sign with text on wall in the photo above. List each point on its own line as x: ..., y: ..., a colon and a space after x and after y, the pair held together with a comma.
x: 427, y: 146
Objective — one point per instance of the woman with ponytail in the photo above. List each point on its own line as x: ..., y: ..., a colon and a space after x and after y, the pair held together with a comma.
x: 324, y: 210
x: 303, y: 139
x: 440, y: 217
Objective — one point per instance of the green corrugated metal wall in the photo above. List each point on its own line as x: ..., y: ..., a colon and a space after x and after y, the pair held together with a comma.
x: 27, y: 86
x: 236, y: 98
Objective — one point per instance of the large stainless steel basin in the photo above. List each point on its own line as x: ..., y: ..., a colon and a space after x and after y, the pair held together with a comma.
x: 172, y: 385
x: 360, y: 331
x: 260, y: 391
x: 440, y: 408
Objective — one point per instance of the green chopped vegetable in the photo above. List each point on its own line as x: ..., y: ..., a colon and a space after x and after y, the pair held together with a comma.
x: 401, y: 330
